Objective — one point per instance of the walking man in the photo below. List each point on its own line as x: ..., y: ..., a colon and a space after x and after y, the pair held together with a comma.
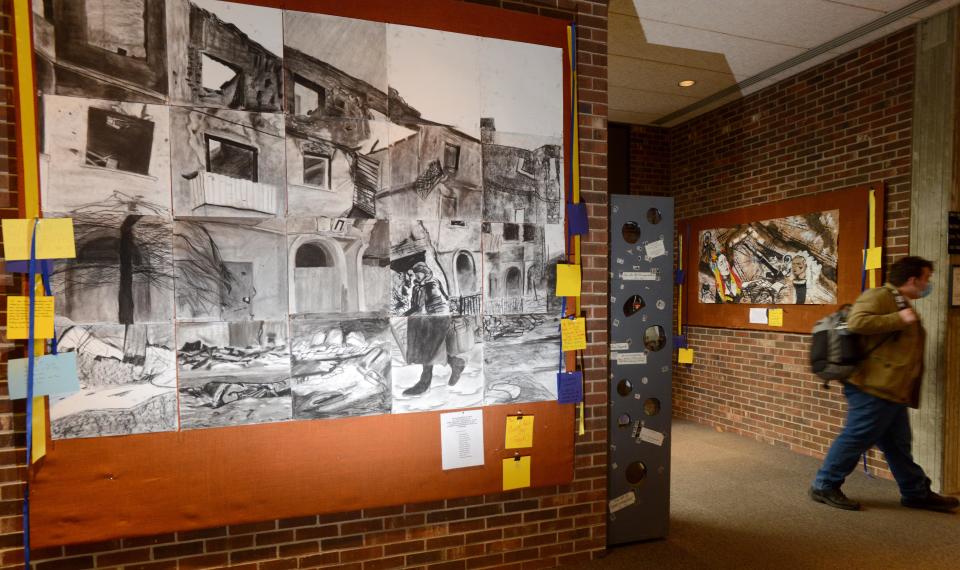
x: 879, y: 393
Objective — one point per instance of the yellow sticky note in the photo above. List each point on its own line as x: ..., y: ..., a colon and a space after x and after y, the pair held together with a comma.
x: 775, y: 317
x: 519, y: 432
x: 18, y: 317
x: 39, y: 448
x: 874, y: 257
x: 516, y: 473
x: 54, y: 239
x: 568, y: 280
x: 573, y: 334
x: 685, y: 356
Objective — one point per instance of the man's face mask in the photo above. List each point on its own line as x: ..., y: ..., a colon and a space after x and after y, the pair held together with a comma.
x: 926, y: 290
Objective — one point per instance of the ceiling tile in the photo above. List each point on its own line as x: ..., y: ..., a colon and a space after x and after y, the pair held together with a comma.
x: 663, y: 77
x: 647, y: 101
x: 626, y: 38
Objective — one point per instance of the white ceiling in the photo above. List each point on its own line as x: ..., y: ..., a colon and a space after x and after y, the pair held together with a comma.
x: 653, y: 44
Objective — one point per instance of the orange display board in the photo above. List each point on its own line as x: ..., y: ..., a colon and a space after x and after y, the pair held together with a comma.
x: 853, y: 207
x: 100, y: 488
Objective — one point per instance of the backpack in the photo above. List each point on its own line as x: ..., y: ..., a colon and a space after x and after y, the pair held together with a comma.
x: 836, y: 352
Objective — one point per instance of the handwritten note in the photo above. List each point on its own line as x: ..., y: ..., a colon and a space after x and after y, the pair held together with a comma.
x: 52, y: 374
x: 655, y: 249
x: 623, y: 501
x: 519, y: 432
x: 54, y: 239
x: 874, y: 257
x: 615, y: 346
x: 18, y: 317
x: 632, y: 358
x: 651, y: 436
x: 639, y: 275
x: 573, y: 334
x: 568, y: 280
x: 516, y: 473
x: 461, y: 439
x: 569, y: 387
x: 685, y: 356
x: 775, y: 317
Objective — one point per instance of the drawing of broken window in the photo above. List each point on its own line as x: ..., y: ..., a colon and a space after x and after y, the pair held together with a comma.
x: 233, y: 373
x: 102, y: 48
x: 341, y: 366
x: 227, y: 163
x: 226, y: 55
x: 520, y: 352
x: 338, y: 266
x: 519, y: 262
x: 128, y: 381
x: 230, y: 270
x: 434, y: 267
x: 439, y: 364
x: 93, y: 148
x: 123, y: 271
x: 522, y: 177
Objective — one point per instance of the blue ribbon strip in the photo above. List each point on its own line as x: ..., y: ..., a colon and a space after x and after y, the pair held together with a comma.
x: 32, y: 284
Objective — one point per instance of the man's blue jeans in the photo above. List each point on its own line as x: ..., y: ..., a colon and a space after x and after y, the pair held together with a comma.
x: 873, y: 421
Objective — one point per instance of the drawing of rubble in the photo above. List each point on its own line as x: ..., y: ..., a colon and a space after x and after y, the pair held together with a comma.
x: 522, y: 177
x: 520, y: 267
x: 435, y: 268
x: 790, y: 260
x: 338, y: 265
x: 123, y: 271
x: 128, y: 381
x: 102, y: 48
x: 521, y: 355
x: 227, y: 163
x: 438, y: 363
x: 230, y: 269
x: 436, y: 171
x: 225, y: 54
x: 341, y: 366
x: 233, y: 373
x: 93, y: 149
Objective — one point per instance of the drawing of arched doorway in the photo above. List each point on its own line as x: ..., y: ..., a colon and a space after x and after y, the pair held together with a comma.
x: 318, y: 270
x: 514, y: 282
x: 466, y: 274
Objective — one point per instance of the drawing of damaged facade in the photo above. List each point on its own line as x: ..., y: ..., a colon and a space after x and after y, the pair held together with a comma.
x: 520, y: 267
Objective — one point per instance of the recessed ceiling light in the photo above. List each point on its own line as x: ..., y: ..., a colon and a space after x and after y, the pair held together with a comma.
x: 687, y: 83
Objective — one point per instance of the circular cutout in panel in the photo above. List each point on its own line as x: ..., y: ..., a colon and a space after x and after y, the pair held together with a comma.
x: 633, y: 305
x: 624, y: 420
x: 624, y: 387
x: 654, y: 216
x: 631, y: 232
x: 651, y: 406
x: 654, y: 338
x: 636, y: 472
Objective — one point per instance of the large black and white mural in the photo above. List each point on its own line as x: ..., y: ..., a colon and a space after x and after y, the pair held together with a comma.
x: 290, y: 216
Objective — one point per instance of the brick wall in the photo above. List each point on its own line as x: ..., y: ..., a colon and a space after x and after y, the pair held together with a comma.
x: 844, y: 123
x: 534, y: 528
x: 650, y: 169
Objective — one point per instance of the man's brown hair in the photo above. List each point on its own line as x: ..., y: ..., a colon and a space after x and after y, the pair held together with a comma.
x: 906, y: 267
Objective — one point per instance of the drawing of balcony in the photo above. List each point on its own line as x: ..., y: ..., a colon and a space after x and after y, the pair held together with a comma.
x: 211, y: 189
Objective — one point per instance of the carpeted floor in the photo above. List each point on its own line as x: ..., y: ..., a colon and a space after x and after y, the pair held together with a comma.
x: 737, y: 503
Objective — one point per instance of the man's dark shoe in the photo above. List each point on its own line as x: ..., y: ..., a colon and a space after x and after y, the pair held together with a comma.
x: 932, y: 502
x: 834, y: 498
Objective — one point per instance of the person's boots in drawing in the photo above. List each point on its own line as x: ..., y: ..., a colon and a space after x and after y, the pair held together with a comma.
x: 456, y: 369
x: 424, y: 384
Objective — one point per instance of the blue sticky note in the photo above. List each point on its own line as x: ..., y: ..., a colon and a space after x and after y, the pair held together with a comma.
x: 577, y: 219
x: 569, y: 387
x: 680, y: 341
x: 23, y: 266
x: 678, y: 277
x: 52, y: 374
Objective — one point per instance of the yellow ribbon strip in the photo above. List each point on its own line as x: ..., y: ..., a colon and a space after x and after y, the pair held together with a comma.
x: 872, y: 273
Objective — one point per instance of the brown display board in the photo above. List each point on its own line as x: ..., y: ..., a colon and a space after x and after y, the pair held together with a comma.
x: 853, y: 207
x: 100, y: 488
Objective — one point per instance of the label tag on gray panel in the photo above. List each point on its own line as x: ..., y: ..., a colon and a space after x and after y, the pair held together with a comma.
x: 619, y: 346
x: 623, y: 501
x: 631, y: 358
x: 655, y: 249
x: 651, y: 436
x: 639, y: 275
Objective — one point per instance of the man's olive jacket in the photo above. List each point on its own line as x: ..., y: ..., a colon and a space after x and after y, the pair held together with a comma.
x: 894, y: 369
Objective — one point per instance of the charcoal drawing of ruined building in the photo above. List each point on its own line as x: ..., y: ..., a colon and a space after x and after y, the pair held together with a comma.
x: 227, y: 163
x: 338, y: 266
x: 519, y: 267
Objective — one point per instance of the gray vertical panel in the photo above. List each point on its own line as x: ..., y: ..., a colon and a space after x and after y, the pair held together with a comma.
x: 933, y: 158
x: 649, y: 515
